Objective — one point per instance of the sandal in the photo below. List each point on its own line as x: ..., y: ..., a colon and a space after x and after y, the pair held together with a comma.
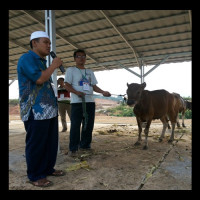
x: 57, y: 173
x: 41, y: 183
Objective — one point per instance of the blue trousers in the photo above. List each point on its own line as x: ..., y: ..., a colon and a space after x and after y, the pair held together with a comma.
x: 81, y: 139
x: 41, y: 147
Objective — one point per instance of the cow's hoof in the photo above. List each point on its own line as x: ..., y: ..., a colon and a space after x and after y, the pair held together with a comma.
x: 137, y: 143
x: 145, y: 147
x: 170, y: 141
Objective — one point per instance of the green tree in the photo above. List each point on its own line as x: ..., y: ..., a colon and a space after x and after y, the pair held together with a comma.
x: 121, y: 111
x: 14, y: 101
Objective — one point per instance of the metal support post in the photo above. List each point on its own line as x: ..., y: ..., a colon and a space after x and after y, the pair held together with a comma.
x: 12, y: 82
x: 50, y: 30
x: 142, y: 73
x: 121, y: 65
x: 162, y: 61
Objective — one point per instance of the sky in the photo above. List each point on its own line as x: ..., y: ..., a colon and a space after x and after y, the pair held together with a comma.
x: 174, y: 77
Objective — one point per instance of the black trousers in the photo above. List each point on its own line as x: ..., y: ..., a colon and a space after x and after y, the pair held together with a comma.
x: 41, y: 147
x: 83, y: 138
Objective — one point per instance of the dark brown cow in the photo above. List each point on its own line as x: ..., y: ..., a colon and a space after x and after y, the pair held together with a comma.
x: 182, y: 108
x: 150, y: 105
x: 188, y: 105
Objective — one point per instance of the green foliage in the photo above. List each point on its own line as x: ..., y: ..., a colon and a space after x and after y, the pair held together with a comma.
x: 121, y: 111
x: 188, y: 114
x: 187, y: 98
x: 14, y: 101
x: 125, y: 111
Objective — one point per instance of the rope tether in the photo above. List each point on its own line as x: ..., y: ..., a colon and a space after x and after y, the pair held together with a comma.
x: 85, y: 115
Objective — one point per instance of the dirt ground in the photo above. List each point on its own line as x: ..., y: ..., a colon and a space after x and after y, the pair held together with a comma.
x: 115, y: 163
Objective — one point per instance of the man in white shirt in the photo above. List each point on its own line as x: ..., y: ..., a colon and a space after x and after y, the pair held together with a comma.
x: 81, y: 82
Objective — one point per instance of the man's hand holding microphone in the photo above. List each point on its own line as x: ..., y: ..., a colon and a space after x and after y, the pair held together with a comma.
x: 53, y: 55
x: 56, y: 63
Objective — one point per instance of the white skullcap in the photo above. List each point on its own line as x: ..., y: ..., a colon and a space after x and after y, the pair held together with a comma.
x: 38, y: 34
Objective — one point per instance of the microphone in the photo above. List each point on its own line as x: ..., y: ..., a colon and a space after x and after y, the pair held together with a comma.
x: 53, y: 55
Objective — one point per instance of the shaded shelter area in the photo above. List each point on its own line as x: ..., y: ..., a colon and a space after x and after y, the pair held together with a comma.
x: 113, y: 39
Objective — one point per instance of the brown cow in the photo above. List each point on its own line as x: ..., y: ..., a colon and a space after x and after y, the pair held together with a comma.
x: 182, y: 108
x: 188, y: 105
x: 150, y: 105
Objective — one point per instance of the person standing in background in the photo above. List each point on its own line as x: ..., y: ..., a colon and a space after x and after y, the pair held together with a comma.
x: 63, y: 103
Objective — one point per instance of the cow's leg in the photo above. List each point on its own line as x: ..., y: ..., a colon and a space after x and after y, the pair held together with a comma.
x: 146, y: 131
x: 169, y: 127
x: 173, y: 114
x: 177, y: 121
x: 173, y: 119
x: 165, y: 124
x: 183, y: 117
x: 139, y: 131
x: 172, y: 134
x: 167, y: 120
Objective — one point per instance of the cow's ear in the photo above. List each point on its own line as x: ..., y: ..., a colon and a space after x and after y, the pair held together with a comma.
x: 144, y: 85
x: 127, y: 84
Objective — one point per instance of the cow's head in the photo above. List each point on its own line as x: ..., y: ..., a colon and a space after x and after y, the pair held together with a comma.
x: 134, y: 92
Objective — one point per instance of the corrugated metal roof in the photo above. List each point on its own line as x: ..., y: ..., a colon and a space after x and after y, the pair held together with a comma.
x: 110, y: 37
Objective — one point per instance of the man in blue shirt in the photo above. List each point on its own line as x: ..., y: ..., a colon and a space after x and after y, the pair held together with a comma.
x: 39, y: 110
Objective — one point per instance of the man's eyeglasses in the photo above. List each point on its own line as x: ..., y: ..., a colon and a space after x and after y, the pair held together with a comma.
x: 80, y: 56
